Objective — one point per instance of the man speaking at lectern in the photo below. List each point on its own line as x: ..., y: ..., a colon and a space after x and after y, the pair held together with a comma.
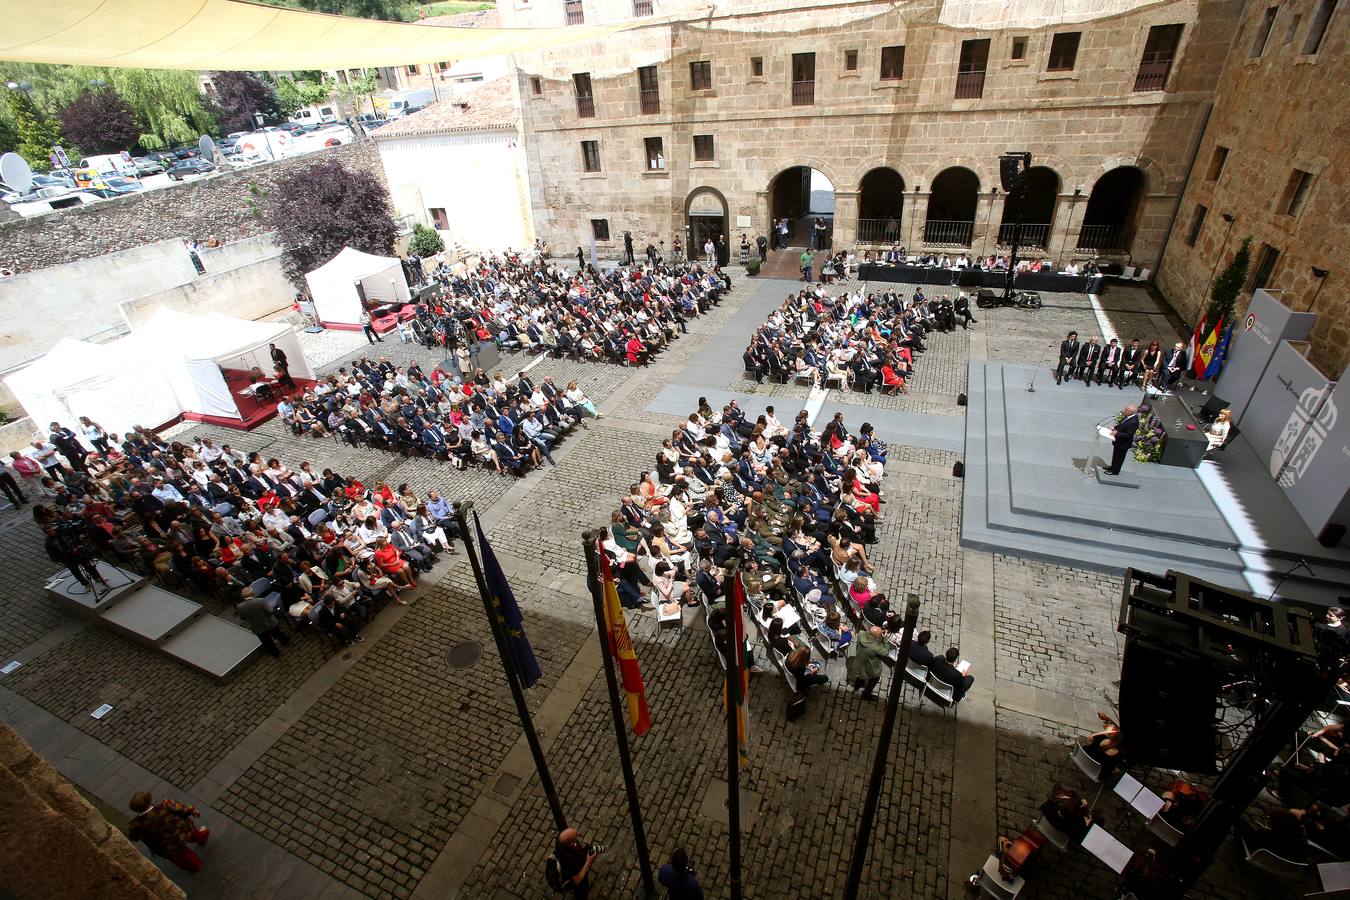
x: 1122, y: 438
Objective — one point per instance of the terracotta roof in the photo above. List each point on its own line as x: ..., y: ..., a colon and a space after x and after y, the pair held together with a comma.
x: 479, y: 18
x: 488, y: 107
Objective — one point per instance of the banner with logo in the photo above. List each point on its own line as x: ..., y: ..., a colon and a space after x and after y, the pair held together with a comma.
x: 1259, y: 332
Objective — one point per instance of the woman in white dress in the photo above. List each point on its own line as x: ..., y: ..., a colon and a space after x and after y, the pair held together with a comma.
x: 1217, y: 432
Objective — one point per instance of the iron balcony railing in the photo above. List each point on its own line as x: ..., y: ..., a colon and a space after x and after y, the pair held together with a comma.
x: 878, y: 231
x: 1102, y: 237
x: 576, y: 15
x: 586, y: 107
x: 969, y: 85
x: 1153, y: 75
x: 803, y: 93
x: 651, y: 101
x: 947, y: 234
x: 642, y: 7
x: 1029, y: 236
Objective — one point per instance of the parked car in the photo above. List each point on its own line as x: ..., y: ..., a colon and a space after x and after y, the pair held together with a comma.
x: 147, y: 166
x: 186, y: 152
x: 164, y: 157
x: 115, y: 186
x: 187, y: 168
x: 49, y: 199
x: 405, y: 102
x: 109, y: 164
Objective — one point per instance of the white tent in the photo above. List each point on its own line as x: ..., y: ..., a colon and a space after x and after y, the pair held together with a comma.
x: 116, y: 388
x: 334, y: 285
x: 192, y: 350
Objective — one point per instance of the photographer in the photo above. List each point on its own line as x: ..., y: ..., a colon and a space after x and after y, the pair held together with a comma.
x: 574, y: 862
x: 679, y: 878
x: 66, y: 544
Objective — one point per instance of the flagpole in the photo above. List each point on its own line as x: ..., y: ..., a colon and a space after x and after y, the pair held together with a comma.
x: 732, y: 654
x: 862, y: 841
x: 588, y: 542
x: 512, y: 678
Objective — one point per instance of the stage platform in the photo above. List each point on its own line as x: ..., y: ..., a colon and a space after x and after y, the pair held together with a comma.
x: 1026, y: 495
x: 158, y: 618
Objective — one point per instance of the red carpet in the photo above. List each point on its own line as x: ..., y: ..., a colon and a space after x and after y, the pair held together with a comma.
x: 253, y: 412
x: 382, y: 325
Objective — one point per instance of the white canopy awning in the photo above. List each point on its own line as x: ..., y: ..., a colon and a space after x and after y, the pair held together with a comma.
x: 333, y: 285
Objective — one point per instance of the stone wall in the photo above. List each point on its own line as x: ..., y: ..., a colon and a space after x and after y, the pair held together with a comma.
x: 1269, y: 136
x: 226, y: 206
x: 56, y: 845
x: 1080, y: 124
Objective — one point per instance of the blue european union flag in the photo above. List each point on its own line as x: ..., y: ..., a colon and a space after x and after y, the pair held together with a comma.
x: 1220, y: 353
x: 508, y: 612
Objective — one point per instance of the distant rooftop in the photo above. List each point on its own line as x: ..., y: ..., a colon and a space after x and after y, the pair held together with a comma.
x: 490, y: 106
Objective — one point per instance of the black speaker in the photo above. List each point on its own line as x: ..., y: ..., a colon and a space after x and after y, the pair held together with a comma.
x: 970, y: 277
x: 1213, y: 406
x: 1332, y: 535
x: 1010, y: 172
x: 1166, y: 708
x: 961, y: 399
x: 958, y: 469
x: 985, y: 298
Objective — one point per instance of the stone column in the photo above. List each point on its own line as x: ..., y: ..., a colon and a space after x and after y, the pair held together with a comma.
x: 916, y: 215
x: 845, y: 219
x: 988, y: 216
x: 1069, y: 209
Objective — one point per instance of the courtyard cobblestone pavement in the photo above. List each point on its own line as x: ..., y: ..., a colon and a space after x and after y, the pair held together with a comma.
x: 373, y: 779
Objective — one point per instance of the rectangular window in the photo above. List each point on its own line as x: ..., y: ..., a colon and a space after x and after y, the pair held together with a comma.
x: 892, y: 63
x: 1295, y: 192
x: 581, y: 82
x: 1216, y: 163
x: 1293, y: 28
x: 575, y: 14
x: 1266, y: 260
x: 656, y: 154
x: 803, y: 79
x: 442, y: 66
x: 1317, y: 29
x: 439, y: 220
x: 1263, y: 31
x: 700, y: 75
x: 1019, y: 48
x: 600, y: 229
x: 412, y: 70
x: 703, y: 147
x: 590, y: 156
x: 1197, y: 222
x: 850, y: 60
x: 970, y: 69
x: 536, y: 85
x: 642, y: 8
x: 1064, y: 51
x: 1156, y: 63
x: 649, y: 92
x: 756, y: 67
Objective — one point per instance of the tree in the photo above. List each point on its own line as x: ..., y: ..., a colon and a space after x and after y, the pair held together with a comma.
x: 100, y: 121
x: 425, y: 241
x: 364, y: 86
x: 292, y: 95
x: 37, y: 134
x: 388, y: 10
x: 325, y: 207
x: 1228, y: 284
x: 240, y: 97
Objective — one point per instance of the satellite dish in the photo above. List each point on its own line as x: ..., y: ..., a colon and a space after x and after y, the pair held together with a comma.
x: 207, y: 147
x: 16, y: 173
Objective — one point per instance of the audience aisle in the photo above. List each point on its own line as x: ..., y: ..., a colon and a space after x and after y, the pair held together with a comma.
x: 385, y: 759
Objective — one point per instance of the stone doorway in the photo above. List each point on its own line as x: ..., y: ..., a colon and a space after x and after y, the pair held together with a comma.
x: 706, y: 219
x: 802, y: 195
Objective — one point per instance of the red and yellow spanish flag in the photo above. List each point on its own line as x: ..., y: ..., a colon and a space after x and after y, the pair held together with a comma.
x: 737, y: 670
x: 1206, y: 351
x: 621, y: 647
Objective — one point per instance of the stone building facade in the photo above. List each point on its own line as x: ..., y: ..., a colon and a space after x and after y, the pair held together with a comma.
x: 1276, y: 158
x: 712, y: 121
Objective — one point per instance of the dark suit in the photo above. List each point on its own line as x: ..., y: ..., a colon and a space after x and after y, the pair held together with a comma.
x: 1088, y: 355
x: 1122, y: 442
x: 1174, y: 366
x: 920, y: 653
x: 947, y: 672
x: 1110, y: 365
x: 1131, y: 364
x: 1068, y: 355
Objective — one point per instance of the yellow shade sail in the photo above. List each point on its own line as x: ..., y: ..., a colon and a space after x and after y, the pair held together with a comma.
x: 232, y: 35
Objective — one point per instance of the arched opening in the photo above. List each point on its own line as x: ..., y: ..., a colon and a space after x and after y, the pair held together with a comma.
x: 881, y: 206
x: 1034, y: 207
x: 951, y: 208
x: 805, y: 198
x: 705, y: 212
x: 1113, y: 211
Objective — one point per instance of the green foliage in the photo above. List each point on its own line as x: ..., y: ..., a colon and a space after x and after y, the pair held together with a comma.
x: 752, y: 267
x: 450, y: 7
x: 425, y: 241
x: 292, y: 95
x: 356, y: 88
x: 1228, y: 284
x: 36, y: 133
x: 166, y: 104
x: 1149, y: 438
x: 388, y: 10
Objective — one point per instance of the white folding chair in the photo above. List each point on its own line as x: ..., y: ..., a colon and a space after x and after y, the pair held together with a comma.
x: 1052, y: 834
x: 1270, y: 861
x: 1126, y: 274
x: 1165, y: 832
x: 995, y: 885
x: 664, y: 618
x: 1142, y: 276
x: 1086, y: 764
x: 940, y: 692
x: 916, y: 674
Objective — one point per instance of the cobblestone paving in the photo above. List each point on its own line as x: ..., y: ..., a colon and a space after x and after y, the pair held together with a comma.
x: 25, y: 612
x: 373, y: 780
x: 1031, y: 336
x: 1055, y: 627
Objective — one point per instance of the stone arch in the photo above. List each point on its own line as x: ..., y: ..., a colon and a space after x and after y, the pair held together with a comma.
x: 1035, y: 210
x: 1114, y: 209
x: 859, y: 172
x: 987, y: 177
x: 1155, y: 177
x: 706, y: 215
x: 809, y: 162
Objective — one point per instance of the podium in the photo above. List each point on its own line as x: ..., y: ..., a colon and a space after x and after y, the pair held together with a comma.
x: 1100, y: 432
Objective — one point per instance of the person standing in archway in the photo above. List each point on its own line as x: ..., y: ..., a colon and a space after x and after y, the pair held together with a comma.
x: 709, y: 250
x: 723, y: 250
x: 763, y: 244
x: 819, y: 236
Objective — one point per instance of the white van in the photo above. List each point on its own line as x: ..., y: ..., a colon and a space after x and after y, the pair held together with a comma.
x: 110, y: 164
x: 314, y: 115
x: 409, y: 102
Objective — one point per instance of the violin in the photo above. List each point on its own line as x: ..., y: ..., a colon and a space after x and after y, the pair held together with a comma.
x: 1019, y: 851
